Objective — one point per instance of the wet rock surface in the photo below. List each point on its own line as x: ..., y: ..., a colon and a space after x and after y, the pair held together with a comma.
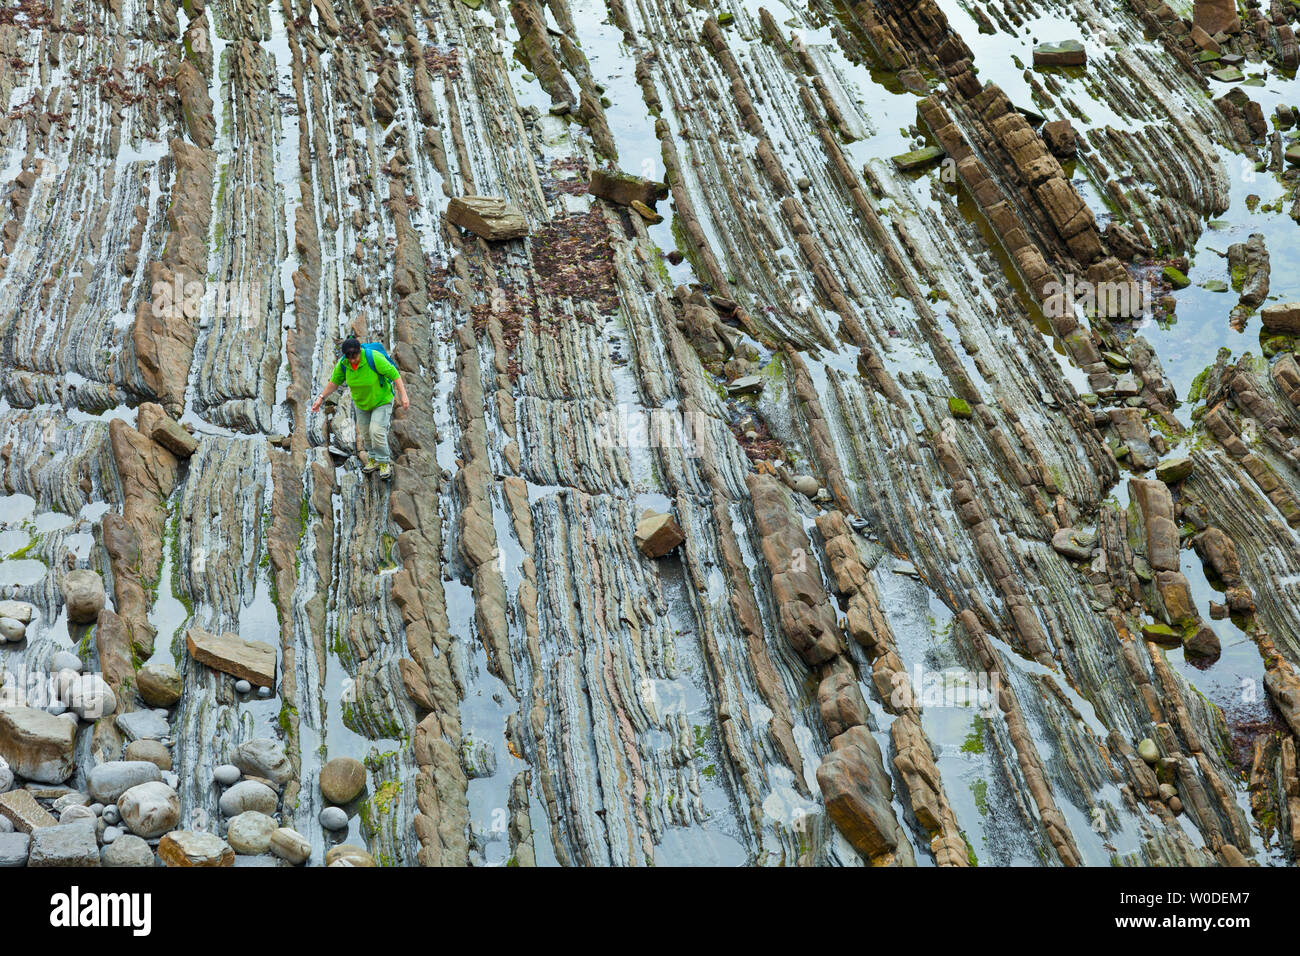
x: 830, y: 440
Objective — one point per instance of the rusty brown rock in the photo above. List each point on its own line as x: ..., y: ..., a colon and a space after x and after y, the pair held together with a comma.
x: 658, y: 534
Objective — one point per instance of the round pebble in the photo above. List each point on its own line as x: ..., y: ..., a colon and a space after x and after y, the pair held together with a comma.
x: 332, y: 818
x: 243, y: 687
x: 111, y: 834
x: 264, y: 693
x: 227, y: 775
x: 112, y: 814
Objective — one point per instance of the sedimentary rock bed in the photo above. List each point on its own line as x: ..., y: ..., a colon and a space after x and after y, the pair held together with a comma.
x: 854, y: 434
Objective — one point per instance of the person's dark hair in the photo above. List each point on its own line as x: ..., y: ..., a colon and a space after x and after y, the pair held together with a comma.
x: 351, y: 347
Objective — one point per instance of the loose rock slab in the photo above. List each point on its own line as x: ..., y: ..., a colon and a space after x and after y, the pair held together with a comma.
x: 918, y: 158
x: 490, y: 217
x: 1282, y: 317
x: 71, y: 844
x: 21, y: 809
x: 142, y: 725
x: 172, y: 435
x: 253, y: 661
x: 1065, y: 53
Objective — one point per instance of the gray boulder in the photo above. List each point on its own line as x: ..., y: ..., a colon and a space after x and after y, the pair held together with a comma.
x: 68, y: 844
x: 142, y: 725
x: 13, y: 849
x: 263, y: 757
x: 128, y: 850
x: 108, y: 781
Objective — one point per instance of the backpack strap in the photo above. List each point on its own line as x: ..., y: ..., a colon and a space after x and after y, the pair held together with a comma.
x: 384, y: 382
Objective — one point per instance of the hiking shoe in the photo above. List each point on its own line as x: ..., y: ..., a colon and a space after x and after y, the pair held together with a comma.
x: 370, y: 467
x: 386, y: 470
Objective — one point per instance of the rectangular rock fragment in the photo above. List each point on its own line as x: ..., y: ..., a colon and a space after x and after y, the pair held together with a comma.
x: 490, y: 217
x: 253, y: 661
x: 21, y: 809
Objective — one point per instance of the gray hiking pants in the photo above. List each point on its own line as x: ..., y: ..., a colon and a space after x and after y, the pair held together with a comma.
x: 372, y: 431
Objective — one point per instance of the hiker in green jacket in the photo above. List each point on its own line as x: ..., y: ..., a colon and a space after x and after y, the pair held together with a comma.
x: 372, y: 379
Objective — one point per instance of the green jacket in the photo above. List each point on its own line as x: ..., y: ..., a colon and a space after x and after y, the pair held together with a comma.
x: 369, y: 390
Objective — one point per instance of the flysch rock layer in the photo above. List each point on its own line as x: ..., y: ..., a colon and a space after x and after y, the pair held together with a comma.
x: 867, y: 612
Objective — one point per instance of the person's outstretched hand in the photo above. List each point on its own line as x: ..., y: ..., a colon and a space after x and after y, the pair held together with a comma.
x: 406, y: 403
x: 315, y: 406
